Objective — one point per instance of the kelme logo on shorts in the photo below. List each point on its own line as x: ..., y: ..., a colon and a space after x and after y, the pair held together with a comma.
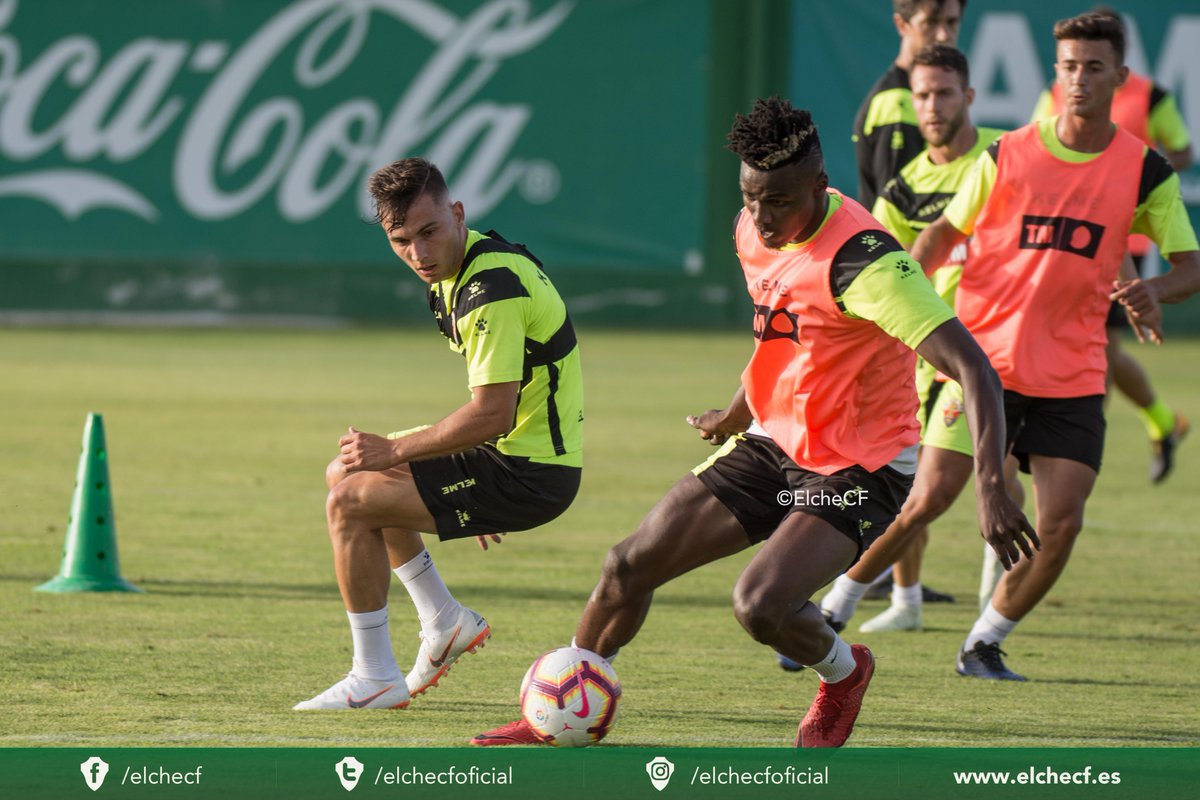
x: 1077, y: 236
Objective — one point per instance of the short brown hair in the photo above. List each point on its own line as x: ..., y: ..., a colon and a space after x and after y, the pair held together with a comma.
x: 1093, y: 27
x: 397, y: 186
x: 946, y: 57
x: 908, y: 8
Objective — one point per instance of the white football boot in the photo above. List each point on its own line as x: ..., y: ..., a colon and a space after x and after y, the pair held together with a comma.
x: 355, y: 692
x: 441, y: 649
x: 896, y: 618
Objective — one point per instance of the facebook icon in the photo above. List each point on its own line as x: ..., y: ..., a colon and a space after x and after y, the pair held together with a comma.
x: 94, y: 771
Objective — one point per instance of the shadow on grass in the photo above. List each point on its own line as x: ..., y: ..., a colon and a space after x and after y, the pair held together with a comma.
x: 326, y: 591
x: 580, y: 593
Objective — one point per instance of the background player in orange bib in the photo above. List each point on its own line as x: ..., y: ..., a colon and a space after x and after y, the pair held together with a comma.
x: 1049, y: 207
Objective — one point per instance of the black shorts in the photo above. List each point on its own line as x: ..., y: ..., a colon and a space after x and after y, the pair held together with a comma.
x: 1116, y: 311
x: 761, y: 486
x: 1058, y: 427
x: 484, y: 491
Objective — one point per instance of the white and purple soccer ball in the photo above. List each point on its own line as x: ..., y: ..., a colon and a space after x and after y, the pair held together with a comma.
x: 570, y: 696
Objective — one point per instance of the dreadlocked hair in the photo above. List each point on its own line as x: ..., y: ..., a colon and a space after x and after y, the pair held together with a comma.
x: 774, y: 135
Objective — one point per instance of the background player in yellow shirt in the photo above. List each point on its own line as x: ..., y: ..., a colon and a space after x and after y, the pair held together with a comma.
x: 942, y: 97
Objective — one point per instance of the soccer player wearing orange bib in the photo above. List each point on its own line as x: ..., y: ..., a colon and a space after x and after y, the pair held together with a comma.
x: 1149, y: 112
x: 828, y: 460
x: 1049, y: 207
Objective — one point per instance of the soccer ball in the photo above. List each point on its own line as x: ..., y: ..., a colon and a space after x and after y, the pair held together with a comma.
x: 569, y: 697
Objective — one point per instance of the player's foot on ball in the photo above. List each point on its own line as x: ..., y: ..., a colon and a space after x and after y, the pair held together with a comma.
x: 440, y: 650
x: 831, y: 717
x: 894, y: 619
x: 984, y: 661
x: 517, y: 732
x: 1163, y: 460
x: 355, y: 692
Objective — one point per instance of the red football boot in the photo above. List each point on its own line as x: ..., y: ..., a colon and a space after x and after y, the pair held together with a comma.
x: 831, y: 717
x: 517, y: 732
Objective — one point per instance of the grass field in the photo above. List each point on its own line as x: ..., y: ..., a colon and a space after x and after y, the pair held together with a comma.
x: 218, y: 441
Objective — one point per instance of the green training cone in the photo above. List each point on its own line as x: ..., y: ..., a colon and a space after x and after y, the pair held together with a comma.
x: 90, y: 562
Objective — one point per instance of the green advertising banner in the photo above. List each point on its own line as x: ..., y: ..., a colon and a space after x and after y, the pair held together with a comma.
x: 207, y: 159
x: 213, y: 156
x: 601, y: 773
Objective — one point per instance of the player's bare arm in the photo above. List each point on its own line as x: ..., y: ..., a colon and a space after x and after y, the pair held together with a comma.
x: 488, y: 415
x: 718, y: 424
x: 1175, y: 286
x: 1147, y: 326
x: 1180, y: 159
x: 952, y: 350
x: 933, y: 247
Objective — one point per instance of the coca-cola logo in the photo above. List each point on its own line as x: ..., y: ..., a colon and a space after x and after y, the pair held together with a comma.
x: 123, y: 104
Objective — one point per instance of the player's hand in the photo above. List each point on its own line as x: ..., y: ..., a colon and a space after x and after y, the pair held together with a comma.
x: 714, y: 426
x: 1004, y: 527
x: 366, y: 452
x: 483, y: 540
x: 1140, y: 302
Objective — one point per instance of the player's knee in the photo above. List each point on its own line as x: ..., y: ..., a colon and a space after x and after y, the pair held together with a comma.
x: 759, y: 612
x: 345, y: 500
x: 618, y: 575
x: 930, y: 504
x: 1059, y: 533
x: 335, y: 473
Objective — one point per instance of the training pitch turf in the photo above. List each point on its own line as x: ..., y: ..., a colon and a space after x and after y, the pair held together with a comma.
x: 217, y: 444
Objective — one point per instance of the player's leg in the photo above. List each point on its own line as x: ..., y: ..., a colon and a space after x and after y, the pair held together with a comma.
x: 771, y: 601
x: 992, y: 569
x: 772, y: 597
x: 359, y: 506
x: 1061, y: 488
x: 476, y: 492
x: 688, y: 528
x: 729, y: 502
x: 941, y: 476
x: 1062, y: 441
x: 1164, y: 427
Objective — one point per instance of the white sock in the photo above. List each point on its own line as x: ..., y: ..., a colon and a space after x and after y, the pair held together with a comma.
x: 842, y: 599
x: 373, y: 657
x: 906, y: 596
x: 990, y: 628
x: 436, y: 607
x: 837, y: 664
